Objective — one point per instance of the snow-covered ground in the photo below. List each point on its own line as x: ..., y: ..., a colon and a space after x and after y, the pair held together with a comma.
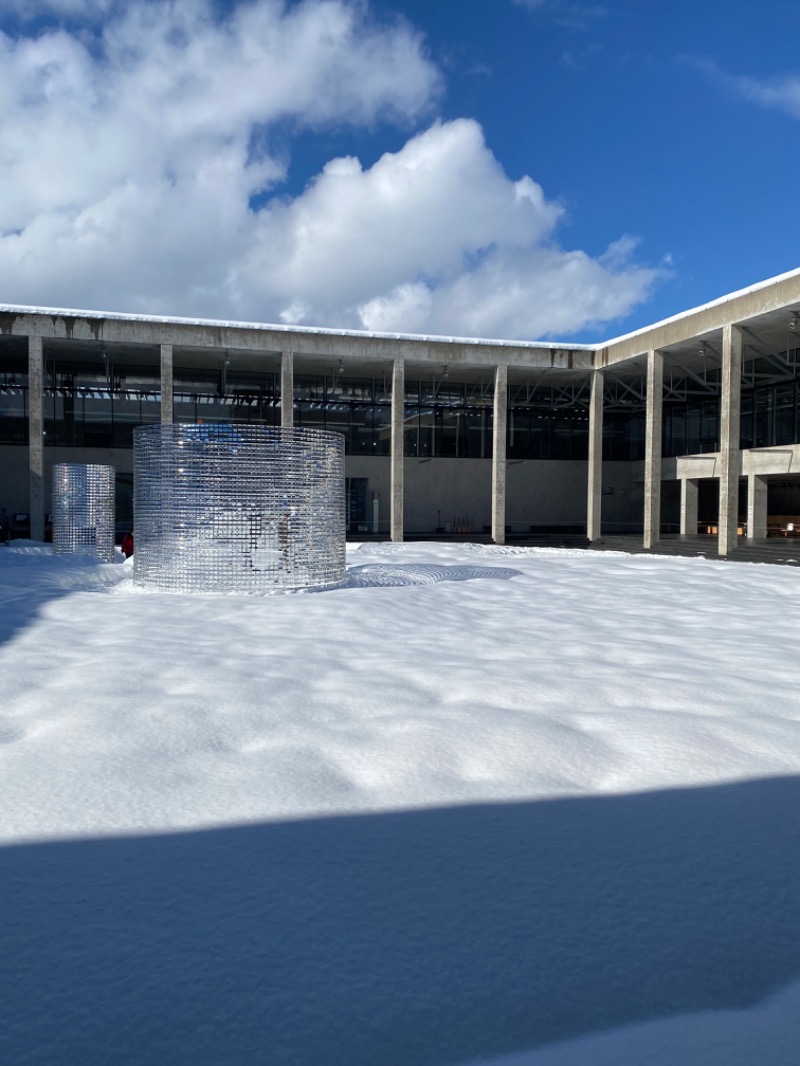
x: 515, y: 806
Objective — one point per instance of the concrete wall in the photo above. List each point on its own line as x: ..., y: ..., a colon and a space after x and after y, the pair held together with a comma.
x: 14, y: 479
x: 375, y: 468
x: 437, y: 491
x: 623, y: 505
x: 545, y: 492
x: 14, y: 484
x: 538, y: 492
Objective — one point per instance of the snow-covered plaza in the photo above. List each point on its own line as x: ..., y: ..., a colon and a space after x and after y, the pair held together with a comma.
x: 532, y: 807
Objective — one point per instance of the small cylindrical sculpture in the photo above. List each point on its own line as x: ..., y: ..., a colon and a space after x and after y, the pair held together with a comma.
x: 83, y: 510
x: 238, y: 508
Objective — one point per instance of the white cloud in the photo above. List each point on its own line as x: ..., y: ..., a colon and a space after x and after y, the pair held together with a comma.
x: 434, y: 238
x: 128, y: 169
x: 566, y: 14
x: 781, y: 92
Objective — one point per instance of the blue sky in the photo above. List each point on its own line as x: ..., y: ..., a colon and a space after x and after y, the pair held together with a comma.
x: 519, y: 168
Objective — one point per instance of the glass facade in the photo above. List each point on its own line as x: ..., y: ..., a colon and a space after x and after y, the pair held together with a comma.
x: 447, y: 420
x: 768, y: 417
x: 358, y: 408
x: 90, y: 403
x: 14, y: 400
x: 691, y: 428
x: 546, y: 431
x: 209, y: 396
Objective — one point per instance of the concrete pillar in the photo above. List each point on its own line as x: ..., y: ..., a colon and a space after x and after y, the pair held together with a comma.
x: 499, y: 454
x: 595, y: 478
x: 396, y: 456
x: 756, y: 507
x: 287, y: 390
x: 652, y: 449
x: 730, y: 456
x: 36, y: 435
x: 689, y: 494
x: 167, y: 380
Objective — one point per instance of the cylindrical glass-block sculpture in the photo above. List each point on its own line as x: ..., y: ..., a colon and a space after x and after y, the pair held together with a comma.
x: 238, y: 508
x: 83, y: 510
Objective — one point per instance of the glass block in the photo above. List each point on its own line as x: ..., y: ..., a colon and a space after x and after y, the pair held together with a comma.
x: 238, y: 508
x: 83, y: 510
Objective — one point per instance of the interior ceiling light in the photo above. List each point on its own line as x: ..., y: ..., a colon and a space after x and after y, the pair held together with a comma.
x: 793, y: 324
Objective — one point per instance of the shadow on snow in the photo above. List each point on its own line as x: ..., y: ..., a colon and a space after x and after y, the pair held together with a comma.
x: 416, y: 938
x: 375, y: 575
x: 31, y: 580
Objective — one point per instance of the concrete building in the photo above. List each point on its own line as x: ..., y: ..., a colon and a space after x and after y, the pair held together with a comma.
x: 690, y: 425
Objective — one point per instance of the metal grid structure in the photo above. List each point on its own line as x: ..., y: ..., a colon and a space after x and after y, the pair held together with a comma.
x: 238, y: 508
x: 83, y: 510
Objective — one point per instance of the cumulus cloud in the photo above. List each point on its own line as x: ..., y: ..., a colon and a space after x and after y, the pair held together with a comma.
x: 439, y: 240
x: 137, y: 173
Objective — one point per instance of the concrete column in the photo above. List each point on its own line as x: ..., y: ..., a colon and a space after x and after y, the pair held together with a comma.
x: 595, y: 478
x: 756, y: 507
x: 396, y: 456
x: 36, y: 435
x: 167, y: 379
x: 499, y: 454
x: 689, y: 494
x: 652, y: 449
x: 730, y: 456
x: 287, y: 390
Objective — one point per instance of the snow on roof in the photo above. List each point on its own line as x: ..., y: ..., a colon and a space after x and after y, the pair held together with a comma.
x: 703, y: 307
x: 60, y: 312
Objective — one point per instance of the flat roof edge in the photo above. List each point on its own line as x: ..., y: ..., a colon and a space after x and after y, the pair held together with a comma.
x: 431, y: 338
x: 718, y: 302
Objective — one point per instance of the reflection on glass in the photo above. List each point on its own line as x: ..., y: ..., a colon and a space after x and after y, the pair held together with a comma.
x: 83, y: 510
x: 238, y: 508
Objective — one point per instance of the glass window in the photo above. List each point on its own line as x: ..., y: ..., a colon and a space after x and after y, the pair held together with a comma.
x: 337, y: 419
x: 478, y: 436
x: 382, y: 429
x: 693, y: 429
x: 518, y: 433
x: 13, y: 421
x: 746, y: 421
x: 561, y: 436
x: 411, y: 431
x: 97, y: 418
x: 360, y: 441
x: 785, y: 416
x: 539, y: 442
x: 580, y: 436
x: 450, y: 432
x: 709, y: 426
x: 311, y: 415
x: 762, y: 417
x: 127, y: 414
x: 426, y: 427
